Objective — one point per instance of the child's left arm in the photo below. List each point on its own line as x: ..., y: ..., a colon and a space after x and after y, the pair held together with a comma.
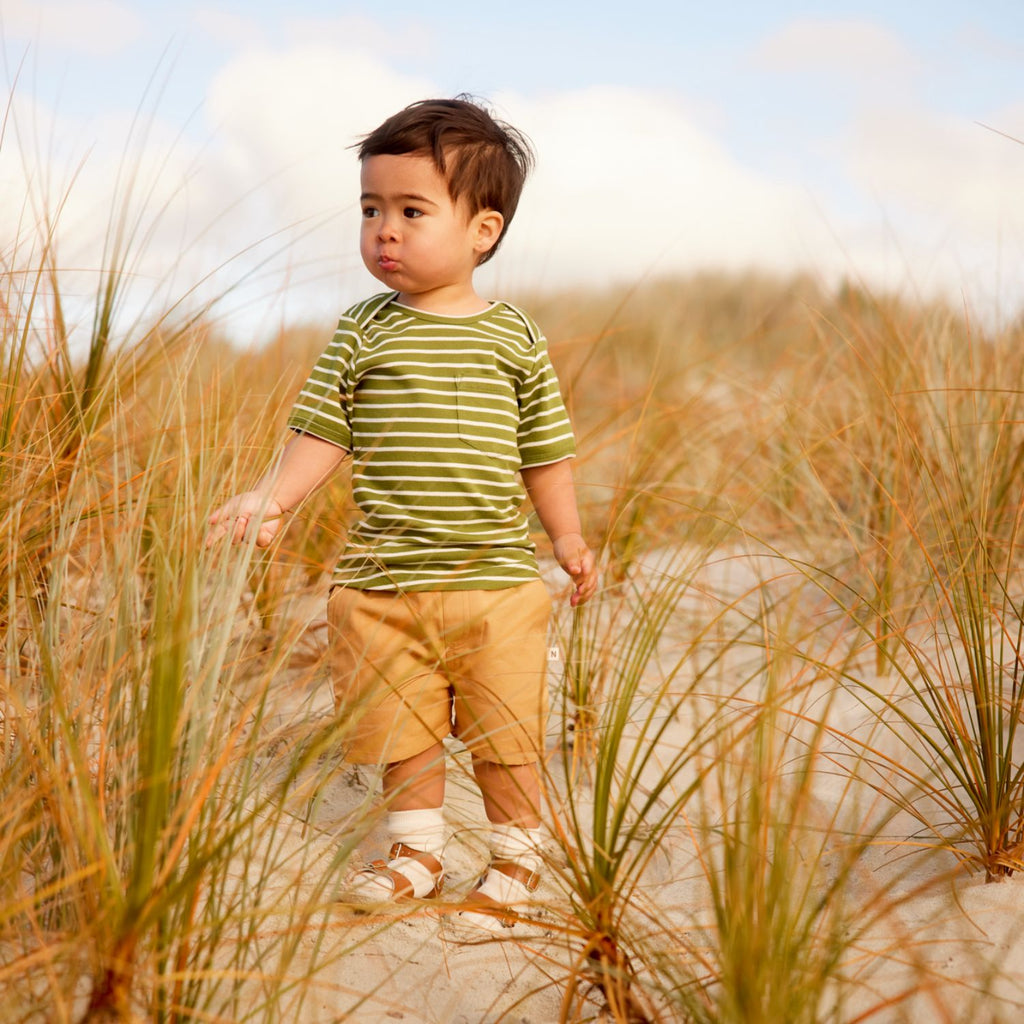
x: 554, y: 497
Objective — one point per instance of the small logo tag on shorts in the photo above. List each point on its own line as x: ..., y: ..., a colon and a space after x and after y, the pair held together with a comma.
x: 554, y: 654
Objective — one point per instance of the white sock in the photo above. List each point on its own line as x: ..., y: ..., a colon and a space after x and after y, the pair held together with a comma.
x: 423, y: 830
x: 521, y: 845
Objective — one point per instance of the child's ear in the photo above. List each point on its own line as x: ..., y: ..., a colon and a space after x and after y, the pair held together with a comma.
x: 488, y: 225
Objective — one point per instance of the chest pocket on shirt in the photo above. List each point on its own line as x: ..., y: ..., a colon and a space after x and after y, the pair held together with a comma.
x: 487, y: 413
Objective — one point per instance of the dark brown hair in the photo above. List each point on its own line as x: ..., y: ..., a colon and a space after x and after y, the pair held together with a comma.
x: 484, y: 160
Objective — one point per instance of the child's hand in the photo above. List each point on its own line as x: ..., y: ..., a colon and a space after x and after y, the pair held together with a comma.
x: 573, y: 555
x: 234, y: 518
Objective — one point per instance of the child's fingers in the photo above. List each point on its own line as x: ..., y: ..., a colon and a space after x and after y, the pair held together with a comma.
x: 235, y: 525
x: 241, y: 525
x: 222, y: 525
x: 581, y: 569
x: 217, y: 529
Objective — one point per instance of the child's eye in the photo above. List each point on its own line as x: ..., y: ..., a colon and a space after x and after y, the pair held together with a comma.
x: 370, y: 211
x: 411, y: 212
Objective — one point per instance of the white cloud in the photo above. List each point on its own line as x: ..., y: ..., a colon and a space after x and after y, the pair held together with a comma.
x: 917, y: 197
x: 98, y: 28
x: 627, y: 185
x: 236, y: 31
x: 138, y: 201
x: 986, y: 46
x: 349, y: 32
x: 284, y: 122
x: 948, y: 191
x: 858, y: 50
x: 941, y: 166
x: 291, y: 117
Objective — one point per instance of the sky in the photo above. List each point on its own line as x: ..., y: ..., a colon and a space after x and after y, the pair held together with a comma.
x: 877, y: 142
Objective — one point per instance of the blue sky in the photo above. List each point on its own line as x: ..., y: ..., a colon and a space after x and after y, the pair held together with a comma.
x: 843, y: 139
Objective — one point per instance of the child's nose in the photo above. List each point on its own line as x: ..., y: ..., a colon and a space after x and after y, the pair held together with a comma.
x: 387, y: 229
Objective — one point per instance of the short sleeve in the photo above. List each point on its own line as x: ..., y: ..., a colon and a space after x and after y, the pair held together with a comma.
x: 545, y: 433
x: 323, y: 406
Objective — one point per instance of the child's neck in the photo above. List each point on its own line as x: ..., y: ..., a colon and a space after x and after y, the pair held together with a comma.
x: 446, y: 302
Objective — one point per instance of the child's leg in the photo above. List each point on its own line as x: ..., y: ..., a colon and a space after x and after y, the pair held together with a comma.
x: 387, y: 682
x: 416, y: 782
x: 511, y: 795
x: 511, y: 792
x: 414, y: 795
x: 501, y: 715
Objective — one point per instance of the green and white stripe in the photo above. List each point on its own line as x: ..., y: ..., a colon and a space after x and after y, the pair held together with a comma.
x: 440, y: 414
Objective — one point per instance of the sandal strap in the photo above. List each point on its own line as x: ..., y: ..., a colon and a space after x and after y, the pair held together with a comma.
x: 402, y: 887
x: 480, y: 903
x: 518, y: 872
x: 428, y: 860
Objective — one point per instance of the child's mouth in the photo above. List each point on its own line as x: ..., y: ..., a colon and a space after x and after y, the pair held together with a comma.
x: 386, y: 263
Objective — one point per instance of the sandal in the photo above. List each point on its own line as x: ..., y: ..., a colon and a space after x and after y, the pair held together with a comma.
x: 478, y: 905
x: 401, y: 887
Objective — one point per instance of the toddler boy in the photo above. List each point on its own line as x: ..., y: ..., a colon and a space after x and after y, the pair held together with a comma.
x: 448, y: 405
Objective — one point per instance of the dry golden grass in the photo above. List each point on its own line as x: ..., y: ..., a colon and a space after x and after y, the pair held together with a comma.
x: 806, y: 506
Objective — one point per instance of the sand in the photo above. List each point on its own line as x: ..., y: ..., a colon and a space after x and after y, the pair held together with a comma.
x: 938, y: 943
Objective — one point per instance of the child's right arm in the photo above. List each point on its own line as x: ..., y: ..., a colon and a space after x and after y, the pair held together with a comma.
x: 305, y: 463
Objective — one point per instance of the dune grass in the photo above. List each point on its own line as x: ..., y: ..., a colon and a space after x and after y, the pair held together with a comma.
x: 933, y: 576
x: 884, y: 490
x: 154, y: 768
x: 801, y: 680
x: 157, y: 772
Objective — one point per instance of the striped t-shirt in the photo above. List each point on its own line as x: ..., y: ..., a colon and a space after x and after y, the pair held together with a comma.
x: 440, y: 413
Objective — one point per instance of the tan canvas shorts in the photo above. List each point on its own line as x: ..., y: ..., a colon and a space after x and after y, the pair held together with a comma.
x: 410, y: 669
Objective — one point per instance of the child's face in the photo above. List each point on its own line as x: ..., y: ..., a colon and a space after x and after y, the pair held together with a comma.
x: 416, y: 240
